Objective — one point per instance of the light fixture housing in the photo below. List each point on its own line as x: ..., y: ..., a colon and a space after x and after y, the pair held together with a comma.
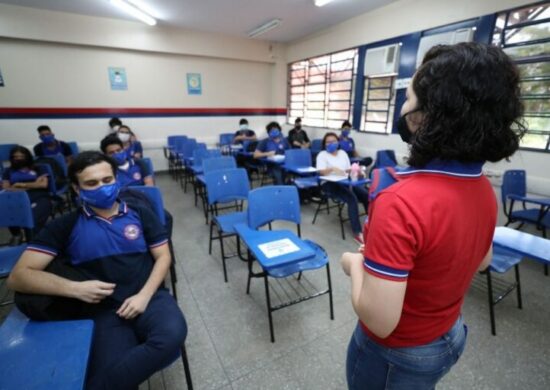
x: 320, y: 3
x: 135, y: 11
x: 268, y: 26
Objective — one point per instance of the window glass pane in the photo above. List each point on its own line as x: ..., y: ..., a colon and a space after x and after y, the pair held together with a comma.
x: 341, y: 66
x: 537, y: 123
x: 380, y: 82
x: 343, y: 55
x: 535, y: 87
x: 339, y: 105
x: 299, y: 65
x: 316, y: 88
x: 296, y: 98
x: 527, y: 33
x: 336, y: 124
x: 315, y: 113
x: 298, y: 73
x: 376, y: 127
x: 316, y: 105
x: 317, y: 79
x: 319, y: 61
x: 536, y: 105
x: 339, y: 96
x: 528, y: 50
x: 316, y: 70
x: 378, y: 105
x: 297, y: 105
x: 296, y: 113
x: 297, y: 81
x: 378, y: 94
x: 377, y: 116
x: 342, y: 115
x: 337, y: 76
x: 528, y: 14
x: 297, y: 90
x: 316, y: 97
x: 313, y: 122
x: 535, y: 141
x: 341, y: 86
x: 533, y: 70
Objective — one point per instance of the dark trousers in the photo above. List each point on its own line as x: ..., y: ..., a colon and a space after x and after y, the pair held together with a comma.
x: 127, y: 352
x: 351, y: 196
x: 276, y: 171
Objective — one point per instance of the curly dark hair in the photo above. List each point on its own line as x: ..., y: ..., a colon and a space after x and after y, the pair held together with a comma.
x: 469, y: 96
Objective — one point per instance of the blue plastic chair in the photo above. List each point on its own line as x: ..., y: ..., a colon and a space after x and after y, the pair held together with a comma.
x: 225, y: 141
x: 208, y: 165
x: 56, y: 194
x: 74, y: 148
x: 16, y: 211
x: 501, y: 263
x: 44, y: 355
x: 150, y: 170
x: 225, y: 186
x: 5, y: 150
x: 298, y: 158
x: 282, y: 203
x: 170, y: 151
x: 385, y: 158
x: 316, y: 146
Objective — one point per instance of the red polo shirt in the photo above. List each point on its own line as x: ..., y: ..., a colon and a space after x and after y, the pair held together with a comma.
x: 431, y: 229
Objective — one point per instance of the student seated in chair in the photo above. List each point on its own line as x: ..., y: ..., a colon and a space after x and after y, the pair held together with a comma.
x: 129, y: 142
x: 130, y: 172
x: 348, y: 145
x: 244, y: 133
x: 334, y: 161
x: 23, y: 176
x: 297, y: 137
x: 51, y: 146
x: 274, y: 144
x: 122, y: 255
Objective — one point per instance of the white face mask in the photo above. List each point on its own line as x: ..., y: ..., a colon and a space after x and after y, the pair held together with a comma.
x: 115, y: 128
x: 124, y: 137
x: 244, y: 127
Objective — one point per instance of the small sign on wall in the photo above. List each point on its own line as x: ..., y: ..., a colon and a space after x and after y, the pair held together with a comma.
x: 117, y: 78
x: 403, y: 83
x: 1, y: 79
x: 194, y: 84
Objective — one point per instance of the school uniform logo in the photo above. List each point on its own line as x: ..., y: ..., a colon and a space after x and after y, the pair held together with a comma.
x: 131, y: 232
x: 137, y: 176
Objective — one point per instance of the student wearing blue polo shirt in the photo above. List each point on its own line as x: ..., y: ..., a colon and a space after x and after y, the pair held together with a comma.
x: 122, y: 255
x: 130, y: 172
x: 274, y: 144
x: 244, y: 133
x: 347, y: 144
x: 51, y: 146
x: 23, y: 176
x: 129, y: 142
x: 429, y: 233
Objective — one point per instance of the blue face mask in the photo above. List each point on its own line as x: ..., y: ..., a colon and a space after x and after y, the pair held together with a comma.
x: 47, y: 139
x: 103, y: 197
x: 274, y: 133
x: 332, y: 147
x: 345, y: 133
x: 120, y: 157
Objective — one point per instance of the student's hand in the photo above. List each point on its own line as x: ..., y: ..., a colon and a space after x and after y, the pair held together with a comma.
x: 18, y: 185
x: 349, y: 259
x: 361, y: 248
x: 270, y: 153
x: 133, y: 306
x: 338, y: 171
x: 92, y: 291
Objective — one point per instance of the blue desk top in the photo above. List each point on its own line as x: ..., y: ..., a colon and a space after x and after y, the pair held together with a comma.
x: 522, y: 243
x: 540, y: 201
x: 345, y: 181
x: 44, y: 355
x: 301, y: 171
x: 255, y: 240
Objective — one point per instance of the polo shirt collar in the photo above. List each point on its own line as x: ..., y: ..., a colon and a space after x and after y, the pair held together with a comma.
x: 447, y: 168
x: 88, y: 212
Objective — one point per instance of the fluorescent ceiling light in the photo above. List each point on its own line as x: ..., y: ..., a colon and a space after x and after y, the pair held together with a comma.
x: 265, y: 28
x: 133, y: 10
x: 320, y: 3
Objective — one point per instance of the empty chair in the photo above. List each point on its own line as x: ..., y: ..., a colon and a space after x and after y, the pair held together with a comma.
x: 297, y: 158
x: 5, y: 152
x: 224, y: 186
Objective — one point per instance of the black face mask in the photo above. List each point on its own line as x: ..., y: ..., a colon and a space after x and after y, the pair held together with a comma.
x: 18, y: 164
x: 298, y: 127
x: 403, y: 127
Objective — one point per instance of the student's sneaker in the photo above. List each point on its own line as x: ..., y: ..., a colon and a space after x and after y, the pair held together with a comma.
x: 358, y: 238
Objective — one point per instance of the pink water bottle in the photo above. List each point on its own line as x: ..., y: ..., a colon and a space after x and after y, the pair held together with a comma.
x: 354, y: 172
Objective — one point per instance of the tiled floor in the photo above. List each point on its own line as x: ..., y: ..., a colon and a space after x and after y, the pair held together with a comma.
x: 228, y: 342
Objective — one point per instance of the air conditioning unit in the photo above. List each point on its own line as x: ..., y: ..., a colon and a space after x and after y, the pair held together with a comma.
x: 382, y: 60
x: 447, y: 38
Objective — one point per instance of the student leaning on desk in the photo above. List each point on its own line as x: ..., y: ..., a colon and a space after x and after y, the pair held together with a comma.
x: 431, y: 231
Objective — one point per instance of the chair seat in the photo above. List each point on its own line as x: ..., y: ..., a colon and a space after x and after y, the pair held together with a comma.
x: 529, y: 215
x: 200, y: 178
x: 320, y: 259
x: 306, y: 182
x: 503, y: 260
x: 8, y: 257
x: 227, y: 222
x: 197, y: 169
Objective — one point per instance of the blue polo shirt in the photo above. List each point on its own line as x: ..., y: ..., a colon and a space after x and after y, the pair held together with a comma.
x: 269, y: 145
x: 347, y: 145
x: 61, y: 147
x: 25, y: 176
x: 133, y: 148
x: 114, y: 250
x: 133, y: 175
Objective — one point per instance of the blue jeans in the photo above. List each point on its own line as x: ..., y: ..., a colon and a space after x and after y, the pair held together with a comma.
x: 351, y: 196
x: 372, y: 366
x: 127, y: 352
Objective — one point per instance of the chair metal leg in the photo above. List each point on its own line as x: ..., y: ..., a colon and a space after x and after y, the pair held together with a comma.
x: 330, y: 293
x: 173, y: 281
x: 341, y: 219
x: 317, y: 212
x: 491, y: 304
x: 518, y: 286
x: 173, y: 264
x: 210, y: 240
x: 268, y: 301
x: 223, y: 255
x: 186, y: 367
x: 249, y: 272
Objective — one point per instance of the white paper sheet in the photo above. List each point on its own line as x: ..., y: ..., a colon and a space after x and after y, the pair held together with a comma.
x: 278, y: 248
x: 306, y: 169
x: 333, y: 178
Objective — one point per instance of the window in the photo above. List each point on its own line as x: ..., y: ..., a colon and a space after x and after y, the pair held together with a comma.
x: 321, y: 89
x: 379, y: 104
x: 524, y: 34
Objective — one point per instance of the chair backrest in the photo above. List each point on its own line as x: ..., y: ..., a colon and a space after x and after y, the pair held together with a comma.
x: 297, y: 158
x: 186, y: 147
x: 43, y: 168
x: 173, y: 140
x: 52, y: 166
x: 227, y: 185
x: 61, y: 161
x: 226, y: 139
x: 15, y: 209
x: 5, y: 150
x: 316, y: 145
x: 216, y: 163
x: 155, y: 196
x: 385, y: 158
x: 513, y: 183
x: 149, y: 166
x: 200, y: 154
x: 74, y: 148
x: 273, y: 203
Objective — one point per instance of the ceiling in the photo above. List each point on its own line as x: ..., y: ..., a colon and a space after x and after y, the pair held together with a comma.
x: 232, y: 17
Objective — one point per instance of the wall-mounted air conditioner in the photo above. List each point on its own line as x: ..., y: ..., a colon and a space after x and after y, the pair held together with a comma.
x: 447, y: 38
x: 382, y: 60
